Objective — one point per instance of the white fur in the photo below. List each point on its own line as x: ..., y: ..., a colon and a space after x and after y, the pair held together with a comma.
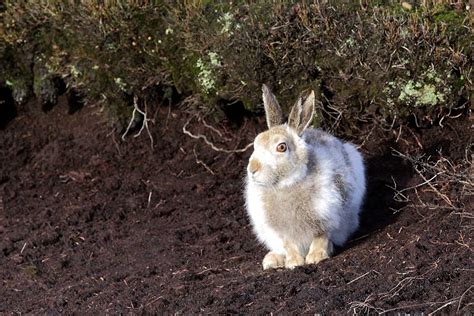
x: 265, y: 234
x: 315, y: 187
x: 339, y: 218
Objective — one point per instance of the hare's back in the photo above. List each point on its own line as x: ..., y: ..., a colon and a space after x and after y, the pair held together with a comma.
x: 338, y: 159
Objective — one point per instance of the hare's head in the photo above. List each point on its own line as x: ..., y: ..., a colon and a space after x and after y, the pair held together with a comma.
x: 280, y: 154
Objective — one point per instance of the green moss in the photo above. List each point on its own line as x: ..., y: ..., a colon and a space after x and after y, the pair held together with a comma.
x: 451, y: 17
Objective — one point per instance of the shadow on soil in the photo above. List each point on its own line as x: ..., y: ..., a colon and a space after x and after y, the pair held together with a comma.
x: 380, y: 208
x: 7, y: 107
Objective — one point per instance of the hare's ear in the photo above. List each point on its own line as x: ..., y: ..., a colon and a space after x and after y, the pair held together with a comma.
x: 302, y: 113
x: 272, y: 108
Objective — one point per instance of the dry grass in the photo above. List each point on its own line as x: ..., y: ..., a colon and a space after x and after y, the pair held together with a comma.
x: 450, y: 183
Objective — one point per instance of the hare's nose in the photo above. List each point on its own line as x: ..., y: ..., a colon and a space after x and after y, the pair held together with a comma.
x: 254, y: 166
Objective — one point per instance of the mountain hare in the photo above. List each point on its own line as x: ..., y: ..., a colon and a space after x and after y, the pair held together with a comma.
x: 304, y: 187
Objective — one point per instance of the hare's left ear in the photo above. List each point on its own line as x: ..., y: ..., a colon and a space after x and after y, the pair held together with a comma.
x: 272, y: 108
x: 302, y: 113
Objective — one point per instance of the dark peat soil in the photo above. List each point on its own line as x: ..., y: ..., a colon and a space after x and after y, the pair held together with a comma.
x: 91, y: 223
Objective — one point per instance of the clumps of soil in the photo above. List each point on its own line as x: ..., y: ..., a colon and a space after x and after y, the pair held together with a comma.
x: 90, y: 223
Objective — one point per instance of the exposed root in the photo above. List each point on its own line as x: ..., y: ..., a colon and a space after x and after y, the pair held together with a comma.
x: 215, y: 130
x: 212, y: 145
x: 144, y: 124
x: 200, y: 162
x: 112, y: 134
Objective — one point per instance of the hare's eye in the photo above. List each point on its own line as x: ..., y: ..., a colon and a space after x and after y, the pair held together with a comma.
x: 281, y: 147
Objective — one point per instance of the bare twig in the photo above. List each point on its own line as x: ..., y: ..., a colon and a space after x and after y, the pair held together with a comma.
x: 214, y: 147
x: 462, y: 296
x: 154, y: 300
x: 359, y: 277
x: 23, y: 248
x: 399, y: 192
x: 441, y: 176
x: 149, y: 199
x: 443, y: 196
x: 415, y: 137
x: 367, y: 305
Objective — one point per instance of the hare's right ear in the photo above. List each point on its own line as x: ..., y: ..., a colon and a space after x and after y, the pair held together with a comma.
x: 272, y: 108
x: 302, y: 113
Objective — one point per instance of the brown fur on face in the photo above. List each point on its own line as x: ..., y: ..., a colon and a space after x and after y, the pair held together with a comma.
x: 254, y: 165
x: 283, y: 164
x: 273, y: 136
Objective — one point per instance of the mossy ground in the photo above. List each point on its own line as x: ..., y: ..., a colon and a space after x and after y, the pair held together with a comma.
x: 368, y: 61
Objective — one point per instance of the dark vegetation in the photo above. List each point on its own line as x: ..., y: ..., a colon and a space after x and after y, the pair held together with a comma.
x: 367, y: 60
x: 124, y: 129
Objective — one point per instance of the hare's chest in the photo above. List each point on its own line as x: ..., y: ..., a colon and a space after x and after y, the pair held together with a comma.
x: 291, y: 213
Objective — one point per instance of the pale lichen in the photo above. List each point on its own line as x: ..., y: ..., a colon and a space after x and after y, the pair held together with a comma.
x: 226, y: 21
x: 121, y: 84
x: 350, y: 42
x: 428, y: 90
x: 206, y: 75
x: 421, y: 93
x: 74, y: 72
x: 214, y: 59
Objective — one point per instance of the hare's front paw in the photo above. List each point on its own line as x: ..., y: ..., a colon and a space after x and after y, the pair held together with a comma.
x: 293, y: 257
x: 294, y: 261
x: 321, y: 248
x: 273, y: 260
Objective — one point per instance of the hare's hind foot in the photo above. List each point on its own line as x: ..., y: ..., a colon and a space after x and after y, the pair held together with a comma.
x: 273, y: 260
x: 321, y: 248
